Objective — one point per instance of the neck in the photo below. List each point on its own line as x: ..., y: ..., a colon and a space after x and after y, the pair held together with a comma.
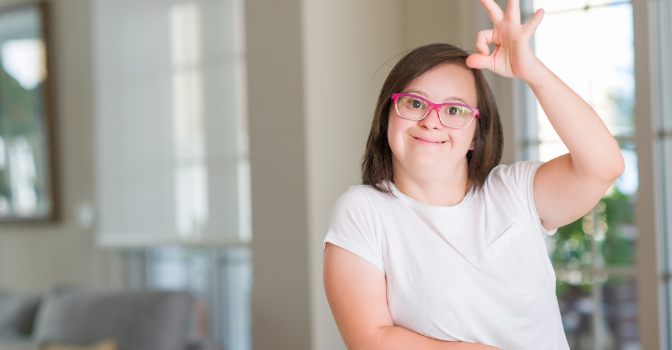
x: 444, y: 188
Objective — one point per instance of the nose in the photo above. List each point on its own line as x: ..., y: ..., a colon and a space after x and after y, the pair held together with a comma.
x: 432, y: 121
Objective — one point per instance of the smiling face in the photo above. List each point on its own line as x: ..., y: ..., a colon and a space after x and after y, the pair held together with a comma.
x: 426, y: 149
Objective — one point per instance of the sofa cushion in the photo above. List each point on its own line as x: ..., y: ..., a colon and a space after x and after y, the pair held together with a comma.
x: 134, y: 320
x: 17, y: 313
x: 103, y: 345
x: 19, y: 346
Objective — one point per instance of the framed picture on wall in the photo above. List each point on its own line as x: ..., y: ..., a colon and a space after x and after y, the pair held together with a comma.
x: 27, y: 154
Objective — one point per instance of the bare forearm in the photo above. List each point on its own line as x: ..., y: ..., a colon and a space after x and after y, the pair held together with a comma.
x: 398, y: 338
x: 593, y: 149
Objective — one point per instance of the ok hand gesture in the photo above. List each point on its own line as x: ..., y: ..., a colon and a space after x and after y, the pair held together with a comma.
x: 512, y: 56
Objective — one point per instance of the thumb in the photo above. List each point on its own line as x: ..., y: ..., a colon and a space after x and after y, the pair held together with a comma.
x: 478, y: 61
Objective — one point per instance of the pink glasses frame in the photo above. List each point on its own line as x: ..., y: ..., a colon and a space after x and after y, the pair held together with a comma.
x: 437, y: 106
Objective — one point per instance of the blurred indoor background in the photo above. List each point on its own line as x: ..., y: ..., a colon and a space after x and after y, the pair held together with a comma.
x: 197, y: 146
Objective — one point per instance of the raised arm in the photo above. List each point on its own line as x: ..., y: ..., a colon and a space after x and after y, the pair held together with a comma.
x: 357, y: 295
x: 568, y: 186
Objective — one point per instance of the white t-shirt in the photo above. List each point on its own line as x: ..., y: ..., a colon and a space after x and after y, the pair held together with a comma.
x: 476, y: 272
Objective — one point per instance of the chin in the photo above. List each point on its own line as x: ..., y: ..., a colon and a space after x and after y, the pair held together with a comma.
x: 427, y: 163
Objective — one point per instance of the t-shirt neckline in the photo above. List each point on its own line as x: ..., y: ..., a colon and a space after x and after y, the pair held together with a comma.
x: 465, y: 203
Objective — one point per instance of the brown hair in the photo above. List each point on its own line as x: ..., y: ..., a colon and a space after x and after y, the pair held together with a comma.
x: 488, y: 138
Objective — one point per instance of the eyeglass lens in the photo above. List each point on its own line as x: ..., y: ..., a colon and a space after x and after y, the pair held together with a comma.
x: 413, y: 108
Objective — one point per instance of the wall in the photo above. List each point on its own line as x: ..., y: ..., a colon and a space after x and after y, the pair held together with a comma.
x: 280, y: 299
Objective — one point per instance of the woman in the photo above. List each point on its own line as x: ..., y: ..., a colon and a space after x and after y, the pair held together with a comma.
x: 441, y: 248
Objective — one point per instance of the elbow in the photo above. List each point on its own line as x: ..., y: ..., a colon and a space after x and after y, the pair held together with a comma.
x: 605, y: 169
x: 612, y: 169
x: 620, y: 169
x: 617, y: 167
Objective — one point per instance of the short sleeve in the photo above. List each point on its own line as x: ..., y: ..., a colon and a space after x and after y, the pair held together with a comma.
x: 352, y: 227
x: 520, y: 177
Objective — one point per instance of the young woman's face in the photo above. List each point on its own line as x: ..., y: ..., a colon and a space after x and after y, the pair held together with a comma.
x: 426, y: 147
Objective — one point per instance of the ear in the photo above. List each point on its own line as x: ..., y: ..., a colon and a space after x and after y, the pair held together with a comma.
x: 471, y: 147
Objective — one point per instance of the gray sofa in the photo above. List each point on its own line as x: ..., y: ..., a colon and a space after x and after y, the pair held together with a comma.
x: 147, y: 320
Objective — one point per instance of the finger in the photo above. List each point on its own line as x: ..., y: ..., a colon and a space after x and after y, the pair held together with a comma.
x: 513, y: 11
x: 494, y: 11
x: 478, y: 61
x: 531, y: 26
x: 484, y: 38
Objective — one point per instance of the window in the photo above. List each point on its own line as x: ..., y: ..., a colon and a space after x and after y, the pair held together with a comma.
x: 172, y: 155
x: 589, y: 45
x: 663, y: 81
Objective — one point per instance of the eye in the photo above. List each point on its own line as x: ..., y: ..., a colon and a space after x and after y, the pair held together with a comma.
x: 415, y: 104
x: 453, y: 110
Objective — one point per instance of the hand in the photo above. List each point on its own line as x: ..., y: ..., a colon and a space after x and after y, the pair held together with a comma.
x: 512, y: 56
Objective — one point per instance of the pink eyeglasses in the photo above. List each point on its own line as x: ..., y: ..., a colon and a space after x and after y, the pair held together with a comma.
x: 452, y: 115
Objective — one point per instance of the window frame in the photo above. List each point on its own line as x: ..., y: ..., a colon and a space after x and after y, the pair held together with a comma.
x: 649, y: 209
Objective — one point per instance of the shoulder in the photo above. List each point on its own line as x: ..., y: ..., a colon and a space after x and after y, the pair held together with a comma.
x: 516, y: 169
x: 513, y: 181
x: 354, y: 225
x: 361, y: 195
x: 516, y: 174
x: 361, y: 199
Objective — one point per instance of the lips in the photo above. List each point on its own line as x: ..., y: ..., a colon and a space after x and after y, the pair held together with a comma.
x: 427, y: 140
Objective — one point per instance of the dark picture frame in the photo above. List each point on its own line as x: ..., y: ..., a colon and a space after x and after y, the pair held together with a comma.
x: 27, y: 148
